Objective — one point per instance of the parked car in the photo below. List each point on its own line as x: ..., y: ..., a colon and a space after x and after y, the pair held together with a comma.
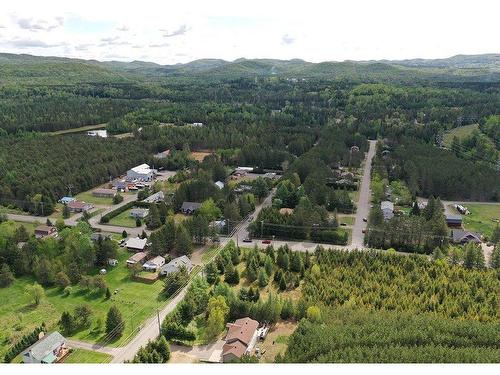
x: 343, y: 224
x: 365, y: 219
x: 247, y: 239
x: 363, y: 231
x: 266, y: 242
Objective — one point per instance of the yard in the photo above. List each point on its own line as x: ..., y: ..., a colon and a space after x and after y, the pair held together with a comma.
x: 276, y: 341
x: 348, y: 220
x: 136, y: 301
x: 87, y: 196
x: 86, y: 356
x: 10, y: 226
x: 481, y: 217
x: 460, y: 132
x: 123, y: 220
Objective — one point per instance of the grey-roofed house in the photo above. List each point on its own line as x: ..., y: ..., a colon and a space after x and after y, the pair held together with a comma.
x: 51, y: 348
x: 139, y: 257
x: 104, y: 193
x: 139, y: 213
x: 155, y: 198
x: 136, y: 244
x: 189, y: 208
x: 175, y: 265
x: 387, y: 209
x: 454, y: 220
x: 460, y: 236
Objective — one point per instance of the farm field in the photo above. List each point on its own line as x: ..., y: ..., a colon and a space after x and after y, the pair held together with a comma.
x: 136, y: 301
x: 460, y: 132
x: 123, y: 220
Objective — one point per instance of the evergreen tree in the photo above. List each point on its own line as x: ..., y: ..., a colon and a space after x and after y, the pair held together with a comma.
x: 115, y: 324
x: 263, y: 278
x: 183, y: 245
x: 66, y: 213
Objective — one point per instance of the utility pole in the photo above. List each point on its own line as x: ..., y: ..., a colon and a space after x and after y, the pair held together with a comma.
x: 159, y: 324
x: 261, y: 228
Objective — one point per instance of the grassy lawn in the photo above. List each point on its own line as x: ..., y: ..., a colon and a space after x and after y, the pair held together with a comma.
x: 86, y: 356
x: 9, y: 210
x: 79, y: 130
x: 276, y: 341
x: 354, y: 196
x: 87, y: 196
x: 123, y: 220
x: 460, y: 132
x: 179, y: 218
x: 349, y: 220
x: 481, y: 218
x: 136, y: 301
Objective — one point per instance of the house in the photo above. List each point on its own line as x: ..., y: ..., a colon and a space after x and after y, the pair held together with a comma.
x: 136, y: 244
x: 155, y: 198
x: 66, y: 200
x: 387, y: 210
x: 189, y: 208
x: 50, y: 348
x: 218, y: 225
x: 103, y: 193
x: 139, y: 257
x: 120, y: 185
x: 220, y: 185
x: 175, y: 265
x: 79, y: 206
x: 139, y: 213
x: 162, y: 155
x: 242, y: 188
x: 454, y: 220
x: 43, y: 231
x: 98, y: 235
x: 142, y: 172
x: 154, y: 264
x: 98, y: 133
x: 240, y: 339
x: 197, y: 124
x: 460, y: 236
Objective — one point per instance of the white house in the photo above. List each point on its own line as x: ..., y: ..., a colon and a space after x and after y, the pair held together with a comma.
x: 387, y: 208
x: 142, y: 172
x: 139, y: 213
x: 98, y: 133
x: 220, y: 184
x: 175, y: 265
x: 155, y: 198
x: 154, y: 264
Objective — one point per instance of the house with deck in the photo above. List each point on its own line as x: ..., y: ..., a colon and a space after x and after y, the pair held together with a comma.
x: 240, y: 339
x: 43, y: 231
x: 50, y: 348
x: 154, y: 264
x: 176, y: 264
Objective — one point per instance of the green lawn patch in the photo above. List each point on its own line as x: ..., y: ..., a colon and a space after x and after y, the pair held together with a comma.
x: 460, y: 132
x: 86, y: 356
x: 349, y: 220
x: 87, y: 196
x: 123, y: 220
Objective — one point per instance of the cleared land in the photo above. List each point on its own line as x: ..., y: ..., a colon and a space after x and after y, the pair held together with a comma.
x: 136, y: 301
x: 199, y: 155
x: 79, y: 130
x: 87, y: 196
x: 460, y: 132
x: 276, y: 341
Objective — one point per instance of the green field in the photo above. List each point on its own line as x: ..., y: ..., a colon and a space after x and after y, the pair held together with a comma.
x: 481, y: 218
x: 87, y: 196
x: 8, y: 227
x: 136, y: 301
x: 86, y: 356
x: 123, y: 220
x: 349, y: 220
x: 460, y: 132
x: 79, y: 130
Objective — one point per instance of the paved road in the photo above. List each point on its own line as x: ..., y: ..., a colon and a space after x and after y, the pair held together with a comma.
x: 363, y: 208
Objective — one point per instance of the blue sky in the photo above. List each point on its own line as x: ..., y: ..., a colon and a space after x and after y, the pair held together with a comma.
x: 170, y: 32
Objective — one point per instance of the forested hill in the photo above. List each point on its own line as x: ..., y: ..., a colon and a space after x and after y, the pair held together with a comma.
x: 34, y: 69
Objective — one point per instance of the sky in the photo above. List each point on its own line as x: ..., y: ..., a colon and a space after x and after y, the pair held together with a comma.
x: 172, y: 31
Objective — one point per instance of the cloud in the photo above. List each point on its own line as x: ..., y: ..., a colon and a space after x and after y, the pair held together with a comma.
x: 39, y: 24
x: 123, y: 28
x: 287, y: 39
x: 159, y: 45
x: 183, y: 29
x: 33, y: 43
x: 113, y: 41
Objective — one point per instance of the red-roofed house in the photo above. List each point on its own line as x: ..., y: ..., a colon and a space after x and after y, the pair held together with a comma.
x: 79, y: 206
x: 240, y: 339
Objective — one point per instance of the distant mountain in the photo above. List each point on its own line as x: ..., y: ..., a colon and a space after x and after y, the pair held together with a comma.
x: 460, y: 68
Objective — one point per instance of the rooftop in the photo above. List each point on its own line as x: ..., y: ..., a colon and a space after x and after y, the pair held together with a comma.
x: 136, y: 243
x: 43, y: 347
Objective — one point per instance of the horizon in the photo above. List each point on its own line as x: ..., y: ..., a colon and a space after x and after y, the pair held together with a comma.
x: 169, y: 34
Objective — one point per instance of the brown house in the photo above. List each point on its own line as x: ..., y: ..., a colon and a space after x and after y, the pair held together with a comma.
x: 240, y: 339
x: 79, y: 206
x: 43, y: 231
